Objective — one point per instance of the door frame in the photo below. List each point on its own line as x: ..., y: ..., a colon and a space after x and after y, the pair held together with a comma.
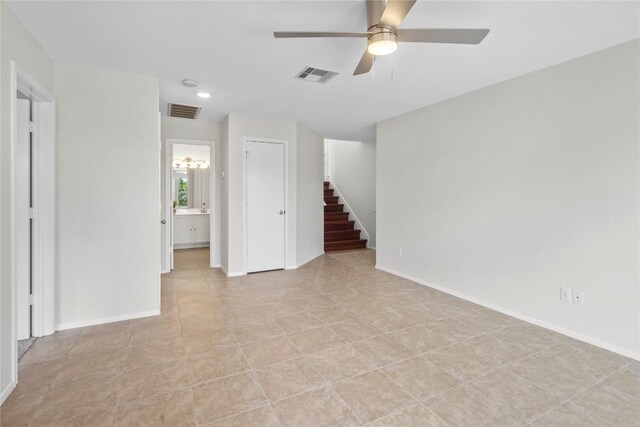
x: 287, y: 216
x: 44, y: 190
x: 168, y: 144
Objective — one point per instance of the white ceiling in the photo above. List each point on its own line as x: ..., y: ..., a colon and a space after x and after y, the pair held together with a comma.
x: 230, y: 49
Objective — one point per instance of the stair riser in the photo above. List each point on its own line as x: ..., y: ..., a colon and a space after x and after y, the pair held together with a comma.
x: 331, y: 200
x: 336, y: 216
x: 328, y: 193
x: 337, y: 227
x: 338, y: 236
x: 334, y: 208
x: 341, y: 246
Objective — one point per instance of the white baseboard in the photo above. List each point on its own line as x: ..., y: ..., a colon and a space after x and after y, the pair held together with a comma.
x: 191, y: 245
x: 226, y: 273
x: 543, y: 324
x: 309, y: 259
x: 110, y: 319
x: 7, y: 391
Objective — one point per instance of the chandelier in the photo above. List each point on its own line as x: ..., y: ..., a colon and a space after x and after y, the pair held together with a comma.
x: 189, y: 163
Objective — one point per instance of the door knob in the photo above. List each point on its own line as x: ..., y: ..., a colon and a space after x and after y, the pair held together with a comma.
x: 281, y: 212
x: 164, y: 221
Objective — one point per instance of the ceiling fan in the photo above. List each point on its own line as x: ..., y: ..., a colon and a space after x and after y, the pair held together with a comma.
x: 383, y: 19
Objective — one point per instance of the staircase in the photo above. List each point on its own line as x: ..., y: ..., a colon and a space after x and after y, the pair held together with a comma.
x: 339, y: 232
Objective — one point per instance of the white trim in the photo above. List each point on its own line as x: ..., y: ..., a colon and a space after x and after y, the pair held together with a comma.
x: 102, y: 320
x: 7, y: 391
x: 309, y: 259
x: 524, y: 317
x: 192, y: 246
x: 226, y: 273
x: 169, y: 142
x: 288, y: 217
x: 352, y: 212
x: 44, y: 197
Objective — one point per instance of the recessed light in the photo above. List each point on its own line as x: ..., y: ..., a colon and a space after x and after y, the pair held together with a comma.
x: 204, y: 94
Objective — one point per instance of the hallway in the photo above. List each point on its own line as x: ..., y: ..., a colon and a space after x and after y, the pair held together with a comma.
x: 335, y: 342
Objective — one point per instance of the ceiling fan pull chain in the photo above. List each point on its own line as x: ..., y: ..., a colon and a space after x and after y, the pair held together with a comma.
x: 373, y: 76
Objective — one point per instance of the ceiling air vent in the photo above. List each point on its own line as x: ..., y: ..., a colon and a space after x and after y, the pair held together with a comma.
x: 183, y: 111
x: 316, y: 75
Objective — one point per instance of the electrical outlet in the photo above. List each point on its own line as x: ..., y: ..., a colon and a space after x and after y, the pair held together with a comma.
x: 578, y: 297
x: 566, y: 294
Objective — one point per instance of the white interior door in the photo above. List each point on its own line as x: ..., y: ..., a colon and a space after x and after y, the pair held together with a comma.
x: 265, y: 206
x: 22, y: 220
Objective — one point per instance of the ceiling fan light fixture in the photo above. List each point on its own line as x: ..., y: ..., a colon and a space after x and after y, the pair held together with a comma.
x: 383, y: 43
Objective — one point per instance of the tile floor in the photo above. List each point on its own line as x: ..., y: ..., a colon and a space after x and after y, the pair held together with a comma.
x: 333, y: 343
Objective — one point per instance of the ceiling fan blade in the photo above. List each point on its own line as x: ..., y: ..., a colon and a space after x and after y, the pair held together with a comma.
x: 305, y: 34
x: 365, y: 64
x: 395, y: 12
x: 443, y: 35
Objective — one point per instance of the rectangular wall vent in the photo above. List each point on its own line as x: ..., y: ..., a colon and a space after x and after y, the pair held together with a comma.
x: 183, y: 111
x: 315, y: 75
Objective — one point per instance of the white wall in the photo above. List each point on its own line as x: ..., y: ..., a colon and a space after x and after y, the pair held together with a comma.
x: 310, y: 221
x: 508, y: 193
x: 16, y: 44
x: 352, y: 170
x: 178, y: 128
x: 238, y: 127
x: 234, y: 128
x: 108, y: 228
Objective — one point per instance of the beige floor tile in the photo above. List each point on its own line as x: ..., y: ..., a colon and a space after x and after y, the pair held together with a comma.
x: 355, y: 330
x: 77, y: 398
x: 298, y: 322
x: 532, y: 337
x: 486, y: 320
x: 216, y: 336
x: 551, y: 376
x: 419, y: 339
x: 147, y: 382
x: 209, y: 341
x: 339, y: 362
x: 287, y: 378
x: 111, y: 340
x: 226, y: 396
x: 512, y: 400
x: 420, y: 377
x: 216, y: 364
x: 333, y: 314
x: 320, y: 407
x: 383, y: 350
x: 372, y: 395
x: 19, y: 409
x: 454, y: 330
x: 35, y: 379
x: 316, y: 339
x: 49, y: 349
x: 500, y: 352
x: 625, y: 381
x: 171, y: 409
x: 250, y: 332
x: 390, y: 320
x: 104, y: 418
x: 259, y: 417
x: 153, y: 352
x: 462, y: 406
x: 462, y: 362
x: 271, y: 350
x: 77, y: 367
x: 608, y: 409
x: 413, y: 416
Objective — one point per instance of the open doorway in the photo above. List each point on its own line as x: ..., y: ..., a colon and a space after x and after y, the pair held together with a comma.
x: 188, y: 200
x: 32, y: 213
